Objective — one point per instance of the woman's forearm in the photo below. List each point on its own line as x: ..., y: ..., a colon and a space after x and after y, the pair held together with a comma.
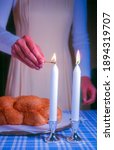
x: 6, y: 38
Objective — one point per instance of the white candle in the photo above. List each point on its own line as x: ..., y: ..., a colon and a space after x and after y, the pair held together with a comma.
x: 53, y: 90
x: 75, y: 108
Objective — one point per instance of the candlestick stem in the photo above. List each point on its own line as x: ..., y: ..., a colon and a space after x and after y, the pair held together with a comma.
x: 52, y: 137
x: 74, y: 137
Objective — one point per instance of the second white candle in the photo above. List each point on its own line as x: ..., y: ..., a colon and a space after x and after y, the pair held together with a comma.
x: 75, y: 108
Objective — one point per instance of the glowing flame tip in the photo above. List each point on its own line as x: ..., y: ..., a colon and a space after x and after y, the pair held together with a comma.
x: 78, y: 57
x: 53, y: 59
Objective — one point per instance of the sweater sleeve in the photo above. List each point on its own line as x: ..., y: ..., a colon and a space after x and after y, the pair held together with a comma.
x: 80, y: 35
x: 7, y: 39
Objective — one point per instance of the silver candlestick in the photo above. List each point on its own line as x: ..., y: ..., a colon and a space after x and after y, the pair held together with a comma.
x: 74, y: 137
x: 52, y: 137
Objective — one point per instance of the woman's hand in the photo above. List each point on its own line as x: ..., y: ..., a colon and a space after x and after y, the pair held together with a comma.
x: 88, y: 91
x: 28, y: 52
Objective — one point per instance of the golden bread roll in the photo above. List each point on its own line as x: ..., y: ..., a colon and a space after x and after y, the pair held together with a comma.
x: 2, y: 119
x: 26, y: 110
x: 13, y: 117
x: 6, y: 102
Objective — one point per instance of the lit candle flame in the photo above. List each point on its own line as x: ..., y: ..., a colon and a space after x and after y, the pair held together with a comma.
x: 53, y: 59
x: 78, y: 57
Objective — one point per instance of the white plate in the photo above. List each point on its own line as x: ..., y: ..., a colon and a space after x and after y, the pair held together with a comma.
x: 24, y: 129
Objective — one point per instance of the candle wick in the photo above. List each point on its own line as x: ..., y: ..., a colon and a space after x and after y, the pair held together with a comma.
x: 77, y: 62
x: 54, y: 62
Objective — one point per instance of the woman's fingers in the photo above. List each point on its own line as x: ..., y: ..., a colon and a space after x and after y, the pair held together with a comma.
x: 92, y: 94
x: 88, y: 91
x: 18, y: 53
x: 40, y: 51
x: 84, y: 94
x: 35, y: 49
x: 26, y: 51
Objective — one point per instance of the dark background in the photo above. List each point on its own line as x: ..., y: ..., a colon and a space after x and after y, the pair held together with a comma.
x: 92, y: 30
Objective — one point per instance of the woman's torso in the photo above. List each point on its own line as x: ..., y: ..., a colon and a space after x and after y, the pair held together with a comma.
x: 48, y: 22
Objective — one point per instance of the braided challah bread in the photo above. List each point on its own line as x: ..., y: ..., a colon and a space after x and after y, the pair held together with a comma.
x: 25, y: 110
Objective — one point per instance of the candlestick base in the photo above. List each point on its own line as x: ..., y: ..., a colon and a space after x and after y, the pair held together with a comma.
x: 74, y: 138
x: 52, y: 137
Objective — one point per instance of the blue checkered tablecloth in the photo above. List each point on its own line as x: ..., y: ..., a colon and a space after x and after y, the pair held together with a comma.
x: 87, y: 131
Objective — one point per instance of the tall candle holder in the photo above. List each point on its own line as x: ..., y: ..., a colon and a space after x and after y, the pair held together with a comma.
x: 52, y: 137
x: 74, y: 137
